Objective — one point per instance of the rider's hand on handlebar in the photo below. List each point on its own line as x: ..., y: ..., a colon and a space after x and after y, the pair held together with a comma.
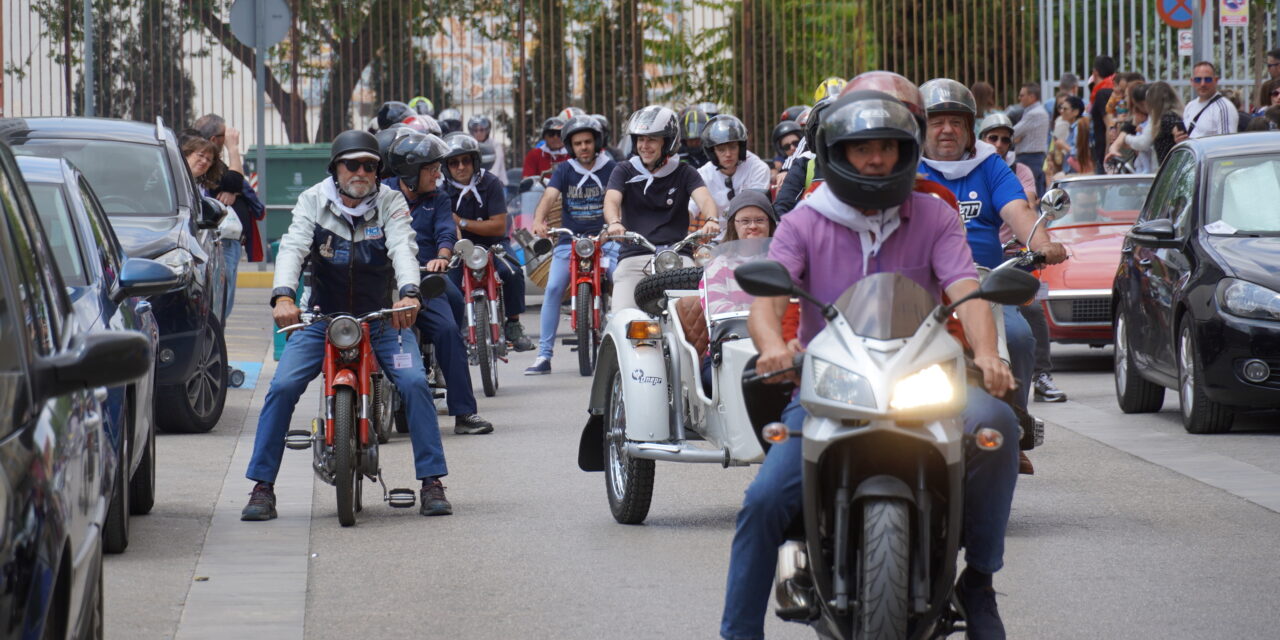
x: 286, y: 313
x: 779, y: 359
x: 712, y: 227
x: 615, y: 229
x: 406, y: 313
x: 438, y: 265
x: 996, y: 376
x: 539, y: 228
x: 1054, y: 252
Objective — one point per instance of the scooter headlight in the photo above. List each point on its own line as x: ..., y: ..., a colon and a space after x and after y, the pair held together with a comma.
x: 344, y: 332
x: 842, y: 385
x: 584, y: 247
x: 477, y: 258
x: 927, y: 387
x: 702, y: 255
x: 666, y: 261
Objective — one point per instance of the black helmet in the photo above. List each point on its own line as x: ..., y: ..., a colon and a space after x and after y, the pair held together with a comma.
x: 604, y: 126
x: 423, y: 124
x: 391, y: 112
x: 792, y: 113
x: 388, y: 137
x: 868, y: 115
x: 578, y: 124
x: 722, y: 130
x: 353, y: 143
x: 461, y: 144
x: 479, y: 122
x: 692, y: 120
x: 812, y: 120
x: 782, y: 130
x: 656, y: 121
x: 409, y: 153
x: 554, y: 123
x: 423, y: 105
x: 450, y: 120
x: 488, y: 155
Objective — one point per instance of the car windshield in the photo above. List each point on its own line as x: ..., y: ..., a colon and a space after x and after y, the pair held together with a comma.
x: 55, y: 215
x: 885, y: 306
x: 1103, y: 201
x: 130, y: 179
x: 1244, y: 196
x: 722, y: 294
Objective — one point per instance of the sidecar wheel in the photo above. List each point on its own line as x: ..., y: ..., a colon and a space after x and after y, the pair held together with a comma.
x: 628, y: 481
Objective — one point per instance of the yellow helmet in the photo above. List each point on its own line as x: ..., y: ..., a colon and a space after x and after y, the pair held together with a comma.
x: 830, y: 88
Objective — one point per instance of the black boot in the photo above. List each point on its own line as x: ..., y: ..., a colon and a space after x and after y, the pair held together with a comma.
x: 978, y: 598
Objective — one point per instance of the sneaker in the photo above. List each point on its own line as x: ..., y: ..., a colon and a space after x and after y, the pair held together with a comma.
x: 515, y: 335
x: 262, y: 503
x: 433, y: 501
x: 471, y: 424
x: 1046, y: 390
x: 541, y: 367
x: 978, y: 599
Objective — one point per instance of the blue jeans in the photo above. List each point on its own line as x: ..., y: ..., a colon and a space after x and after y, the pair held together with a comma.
x: 436, y: 322
x: 300, y: 363
x: 1022, y: 352
x: 557, y: 281
x: 231, y: 250
x: 512, y: 278
x: 774, y: 499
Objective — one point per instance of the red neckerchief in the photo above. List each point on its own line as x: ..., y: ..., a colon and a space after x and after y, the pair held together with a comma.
x: 1108, y: 82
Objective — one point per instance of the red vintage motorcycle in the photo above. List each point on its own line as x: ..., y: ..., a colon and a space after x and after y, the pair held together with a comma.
x: 482, y: 294
x: 355, y: 410
x: 589, y: 301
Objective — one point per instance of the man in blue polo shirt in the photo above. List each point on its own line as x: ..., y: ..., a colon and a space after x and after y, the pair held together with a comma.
x: 415, y: 162
x: 989, y: 195
x: 480, y: 209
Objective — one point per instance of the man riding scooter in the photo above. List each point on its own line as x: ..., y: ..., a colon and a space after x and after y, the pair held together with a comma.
x: 356, y: 234
x: 863, y: 220
x: 415, y: 163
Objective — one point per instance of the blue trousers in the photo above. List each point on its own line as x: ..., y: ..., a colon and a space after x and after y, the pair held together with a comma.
x: 300, y: 363
x: 774, y: 498
x: 512, y: 278
x: 437, y: 323
x: 557, y: 281
x: 1022, y: 352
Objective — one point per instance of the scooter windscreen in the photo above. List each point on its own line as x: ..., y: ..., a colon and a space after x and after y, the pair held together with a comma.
x: 721, y: 292
x: 885, y: 306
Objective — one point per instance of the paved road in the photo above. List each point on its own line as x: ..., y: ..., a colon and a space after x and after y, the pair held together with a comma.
x: 1131, y: 528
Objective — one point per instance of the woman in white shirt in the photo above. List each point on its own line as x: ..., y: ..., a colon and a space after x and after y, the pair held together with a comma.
x: 731, y: 169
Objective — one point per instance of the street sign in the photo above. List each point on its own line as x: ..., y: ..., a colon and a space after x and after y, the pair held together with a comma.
x: 1177, y: 13
x: 275, y: 24
x: 1186, y: 43
x: 1233, y: 13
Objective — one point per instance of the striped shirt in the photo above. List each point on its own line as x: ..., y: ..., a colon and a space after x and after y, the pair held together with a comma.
x: 1219, y: 118
x: 1031, y: 134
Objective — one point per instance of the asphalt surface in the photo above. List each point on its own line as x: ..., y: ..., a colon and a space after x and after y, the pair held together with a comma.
x: 1103, y: 543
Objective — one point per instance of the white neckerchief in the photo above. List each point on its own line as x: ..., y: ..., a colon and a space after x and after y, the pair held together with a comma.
x: 872, y: 230
x: 957, y: 169
x: 469, y: 188
x: 1010, y: 157
x: 330, y: 188
x: 601, y: 161
x: 662, y: 172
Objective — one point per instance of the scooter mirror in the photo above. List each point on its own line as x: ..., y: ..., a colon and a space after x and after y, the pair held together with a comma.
x: 463, y: 247
x: 432, y: 286
x: 542, y: 246
x: 1054, y: 204
x: 1009, y: 285
x: 765, y: 278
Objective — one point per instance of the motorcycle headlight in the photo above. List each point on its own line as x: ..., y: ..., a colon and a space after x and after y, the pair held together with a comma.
x: 927, y: 387
x: 842, y: 385
x: 180, y: 260
x: 584, y: 247
x: 344, y: 332
x: 702, y: 255
x: 1248, y: 300
x: 477, y: 258
x: 666, y: 261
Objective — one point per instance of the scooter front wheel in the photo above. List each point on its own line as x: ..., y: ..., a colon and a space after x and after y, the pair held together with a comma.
x: 346, y: 479
x: 629, y: 480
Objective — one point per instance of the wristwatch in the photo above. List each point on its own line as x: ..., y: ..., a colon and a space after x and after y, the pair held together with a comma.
x: 462, y: 223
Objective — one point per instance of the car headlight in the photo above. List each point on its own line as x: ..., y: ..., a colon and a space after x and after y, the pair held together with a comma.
x: 344, y: 332
x: 842, y: 385
x: 584, y: 247
x: 180, y: 260
x: 666, y: 261
x: 927, y: 387
x: 1248, y: 300
x: 702, y: 255
x: 477, y: 258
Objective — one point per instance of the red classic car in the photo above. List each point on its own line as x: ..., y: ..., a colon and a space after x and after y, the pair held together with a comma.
x: 1102, y: 209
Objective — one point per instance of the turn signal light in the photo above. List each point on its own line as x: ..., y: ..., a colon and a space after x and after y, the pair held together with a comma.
x: 643, y: 330
x: 776, y: 432
x: 988, y: 439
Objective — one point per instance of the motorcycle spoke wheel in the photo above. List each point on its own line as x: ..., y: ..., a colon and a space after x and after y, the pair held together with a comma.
x: 628, y: 481
x: 484, y: 349
x: 585, y: 331
x: 346, y: 477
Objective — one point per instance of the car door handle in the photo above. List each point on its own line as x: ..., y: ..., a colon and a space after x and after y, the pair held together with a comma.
x: 100, y: 394
x: 142, y: 307
x: 1144, y: 263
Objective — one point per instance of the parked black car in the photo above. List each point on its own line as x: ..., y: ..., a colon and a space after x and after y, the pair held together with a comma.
x: 1197, y: 293
x: 144, y: 185
x: 91, y: 262
x: 55, y: 459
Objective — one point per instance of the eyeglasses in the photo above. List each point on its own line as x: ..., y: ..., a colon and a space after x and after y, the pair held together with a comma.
x: 750, y: 222
x: 995, y: 139
x: 459, y: 161
x: 352, y: 165
x: 1202, y: 79
x: 790, y: 145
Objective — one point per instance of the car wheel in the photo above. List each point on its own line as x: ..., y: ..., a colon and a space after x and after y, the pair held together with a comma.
x: 1199, y: 413
x: 142, y: 485
x: 196, y: 406
x: 115, y: 531
x: 1134, y: 393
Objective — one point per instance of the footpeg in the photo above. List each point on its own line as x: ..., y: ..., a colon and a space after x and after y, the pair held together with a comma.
x: 402, y: 498
x: 298, y: 439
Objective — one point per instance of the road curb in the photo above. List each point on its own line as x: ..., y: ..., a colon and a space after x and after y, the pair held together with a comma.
x: 255, y: 279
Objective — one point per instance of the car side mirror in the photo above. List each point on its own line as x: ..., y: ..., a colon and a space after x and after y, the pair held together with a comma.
x: 765, y: 278
x: 143, y: 277
x: 211, y: 212
x: 1153, y: 230
x: 432, y: 286
x: 101, y: 358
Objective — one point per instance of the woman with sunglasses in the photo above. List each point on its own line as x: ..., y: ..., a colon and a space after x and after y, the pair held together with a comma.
x: 786, y: 139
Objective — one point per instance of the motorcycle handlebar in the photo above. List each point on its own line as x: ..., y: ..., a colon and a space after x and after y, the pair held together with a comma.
x: 309, y: 319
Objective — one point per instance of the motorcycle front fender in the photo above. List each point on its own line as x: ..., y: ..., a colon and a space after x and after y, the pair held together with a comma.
x: 644, y: 380
x: 345, y: 378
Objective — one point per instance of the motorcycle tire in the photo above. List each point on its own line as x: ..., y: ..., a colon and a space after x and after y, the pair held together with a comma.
x: 651, y: 292
x: 628, y: 481
x: 585, y: 330
x: 346, y: 479
x: 885, y: 567
x: 382, y: 414
x: 484, y: 349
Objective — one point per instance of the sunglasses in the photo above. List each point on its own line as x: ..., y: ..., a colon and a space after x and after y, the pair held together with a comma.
x: 1202, y: 80
x: 460, y: 161
x: 370, y: 166
x: 552, y: 134
x: 1273, y: 64
x: 995, y: 139
x: 790, y: 145
x: 1275, y: 92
